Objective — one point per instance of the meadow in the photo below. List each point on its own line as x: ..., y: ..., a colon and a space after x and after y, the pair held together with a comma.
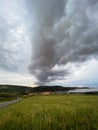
x: 51, y: 112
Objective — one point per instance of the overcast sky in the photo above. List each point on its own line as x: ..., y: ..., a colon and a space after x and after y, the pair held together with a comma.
x: 49, y: 42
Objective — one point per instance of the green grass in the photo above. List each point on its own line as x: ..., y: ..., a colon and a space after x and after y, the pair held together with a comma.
x: 55, y: 112
x: 5, y: 96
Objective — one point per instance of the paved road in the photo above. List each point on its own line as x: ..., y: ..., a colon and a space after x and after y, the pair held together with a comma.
x: 3, y: 104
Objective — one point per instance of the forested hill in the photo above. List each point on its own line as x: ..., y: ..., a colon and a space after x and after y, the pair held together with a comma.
x: 25, y: 90
x: 21, y: 90
x: 53, y: 88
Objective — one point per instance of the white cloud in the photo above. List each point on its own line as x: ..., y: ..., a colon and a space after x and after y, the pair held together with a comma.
x: 7, y: 77
x: 87, y: 71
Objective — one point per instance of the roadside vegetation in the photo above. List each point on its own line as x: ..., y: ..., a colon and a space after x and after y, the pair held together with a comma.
x: 5, y: 96
x: 51, y: 112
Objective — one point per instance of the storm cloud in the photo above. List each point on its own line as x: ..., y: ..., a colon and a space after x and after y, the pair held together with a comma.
x: 66, y: 31
x: 47, y: 37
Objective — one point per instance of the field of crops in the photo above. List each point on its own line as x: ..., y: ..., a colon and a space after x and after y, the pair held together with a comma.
x: 53, y: 112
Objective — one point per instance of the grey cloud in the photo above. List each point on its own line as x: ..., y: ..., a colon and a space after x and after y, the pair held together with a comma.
x: 14, y: 43
x: 62, y: 32
x: 3, y: 29
x: 66, y: 32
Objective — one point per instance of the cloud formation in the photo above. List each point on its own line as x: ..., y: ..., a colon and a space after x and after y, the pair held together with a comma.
x: 58, y: 34
x: 66, y: 32
x: 14, y: 37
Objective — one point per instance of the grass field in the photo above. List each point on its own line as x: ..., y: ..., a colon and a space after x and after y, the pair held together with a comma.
x: 54, y: 112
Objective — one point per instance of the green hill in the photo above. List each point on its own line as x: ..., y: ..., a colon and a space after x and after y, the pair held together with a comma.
x: 22, y: 90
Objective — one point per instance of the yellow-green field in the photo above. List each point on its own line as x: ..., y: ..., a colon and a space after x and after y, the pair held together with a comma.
x: 53, y: 112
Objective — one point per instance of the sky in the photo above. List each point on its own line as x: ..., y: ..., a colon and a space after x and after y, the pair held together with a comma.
x: 49, y: 42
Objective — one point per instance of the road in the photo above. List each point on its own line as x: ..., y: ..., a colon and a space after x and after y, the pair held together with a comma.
x: 4, y: 104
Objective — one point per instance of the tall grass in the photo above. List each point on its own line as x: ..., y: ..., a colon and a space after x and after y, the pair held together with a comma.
x: 55, y: 112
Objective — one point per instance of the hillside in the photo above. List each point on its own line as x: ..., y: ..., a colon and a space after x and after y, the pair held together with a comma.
x: 53, y: 88
x: 21, y: 90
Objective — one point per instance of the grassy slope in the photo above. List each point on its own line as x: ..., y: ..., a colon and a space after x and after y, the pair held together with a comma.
x: 20, y: 90
x: 62, y: 112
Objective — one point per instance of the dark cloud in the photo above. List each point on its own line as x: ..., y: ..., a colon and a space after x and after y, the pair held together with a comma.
x: 66, y: 32
x: 62, y: 32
